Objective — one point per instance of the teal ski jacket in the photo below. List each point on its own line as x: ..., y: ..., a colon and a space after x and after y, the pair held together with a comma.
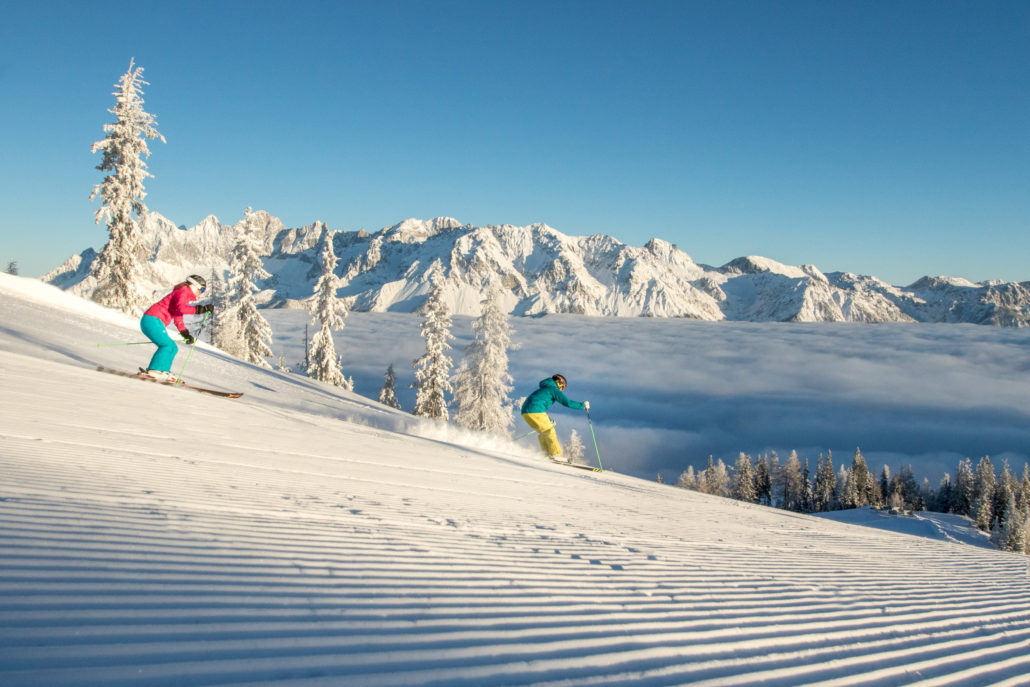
x: 546, y: 396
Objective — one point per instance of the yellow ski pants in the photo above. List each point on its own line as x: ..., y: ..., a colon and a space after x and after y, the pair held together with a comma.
x: 545, y: 429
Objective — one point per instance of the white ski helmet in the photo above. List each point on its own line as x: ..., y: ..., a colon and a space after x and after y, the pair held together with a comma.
x: 197, y: 281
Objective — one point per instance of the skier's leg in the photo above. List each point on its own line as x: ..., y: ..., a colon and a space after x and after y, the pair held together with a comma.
x: 548, y: 437
x: 549, y: 440
x: 155, y: 330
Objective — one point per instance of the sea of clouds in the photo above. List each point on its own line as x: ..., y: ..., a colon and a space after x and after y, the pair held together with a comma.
x: 667, y: 393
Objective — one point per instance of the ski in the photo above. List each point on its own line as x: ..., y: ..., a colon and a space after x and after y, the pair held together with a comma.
x: 146, y: 378
x: 576, y: 465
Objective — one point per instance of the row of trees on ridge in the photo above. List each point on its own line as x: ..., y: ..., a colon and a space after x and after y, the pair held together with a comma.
x: 997, y: 504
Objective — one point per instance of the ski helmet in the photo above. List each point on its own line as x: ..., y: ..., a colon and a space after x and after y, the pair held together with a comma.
x: 198, y: 281
x: 560, y: 379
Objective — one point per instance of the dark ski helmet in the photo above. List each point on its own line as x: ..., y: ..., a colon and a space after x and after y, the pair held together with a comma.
x: 198, y: 281
x: 560, y: 379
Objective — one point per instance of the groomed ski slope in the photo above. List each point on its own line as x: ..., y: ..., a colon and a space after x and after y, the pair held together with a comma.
x: 305, y: 536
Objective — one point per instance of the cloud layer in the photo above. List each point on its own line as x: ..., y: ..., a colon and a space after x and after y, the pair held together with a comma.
x: 666, y: 394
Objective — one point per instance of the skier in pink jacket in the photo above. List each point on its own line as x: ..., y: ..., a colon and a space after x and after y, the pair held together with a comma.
x: 156, y: 319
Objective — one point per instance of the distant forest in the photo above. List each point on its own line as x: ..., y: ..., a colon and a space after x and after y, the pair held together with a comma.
x: 997, y: 504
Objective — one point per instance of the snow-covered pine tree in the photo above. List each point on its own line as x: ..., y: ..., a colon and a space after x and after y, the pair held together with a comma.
x: 763, y: 481
x: 246, y: 268
x: 482, y: 385
x: 307, y: 348
x: 743, y: 488
x: 117, y: 268
x: 1010, y: 533
x: 984, y: 483
x: 1006, y: 485
x: 962, y: 491
x: 688, y: 480
x: 791, y: 484
x: 717, y: 478
x: 807, y: 492
x: 432, y: 369
x: 861, y: 490
x: 943, y: 500
x: 846, y: 492
x: 328, y: 310
x: 388, y: 392
x: 12, y: 268
x: 886, y: 485
x: 904, y: 483
x: 775, y: 471
x: 1023, y: 505
x: 224, y: 324
x: 574, y: 449
x: 825, y: 490
x: 1024, y: 485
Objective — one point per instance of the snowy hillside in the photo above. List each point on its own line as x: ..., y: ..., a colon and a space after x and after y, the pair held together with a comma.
x: 305, y: 536
x: 541, y: 270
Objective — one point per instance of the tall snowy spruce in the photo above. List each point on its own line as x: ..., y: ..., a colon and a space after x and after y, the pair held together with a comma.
x: 432, y: 369
x: 328, y: 311
x: 482, y: 387
x: 117, y: 268
x: 224, y: 324
x: 743, y: 485
x: 825, y: 488
x: 246, y: 268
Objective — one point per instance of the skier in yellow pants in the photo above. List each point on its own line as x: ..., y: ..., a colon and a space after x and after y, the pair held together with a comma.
x: 534, y: 412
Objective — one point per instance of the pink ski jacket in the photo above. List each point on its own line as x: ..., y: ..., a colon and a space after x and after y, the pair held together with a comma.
x: 174, y: 306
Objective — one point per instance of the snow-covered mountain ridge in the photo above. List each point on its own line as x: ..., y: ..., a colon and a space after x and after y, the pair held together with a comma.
x: 540, y: 270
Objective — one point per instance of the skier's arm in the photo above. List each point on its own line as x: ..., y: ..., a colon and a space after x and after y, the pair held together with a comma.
x: 567, y: 402
x: 179, y: 306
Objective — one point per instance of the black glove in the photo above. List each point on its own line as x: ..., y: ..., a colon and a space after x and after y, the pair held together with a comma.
x: 187, y: 337
x: 204, y: 308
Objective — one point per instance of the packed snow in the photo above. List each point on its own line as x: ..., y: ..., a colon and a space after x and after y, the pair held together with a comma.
x: 304, y: 535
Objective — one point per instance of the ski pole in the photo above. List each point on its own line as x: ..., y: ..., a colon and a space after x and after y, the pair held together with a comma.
x: 178, y: 380
x: 132, y: 343
x: 533, y: 431
x: 594, y: 437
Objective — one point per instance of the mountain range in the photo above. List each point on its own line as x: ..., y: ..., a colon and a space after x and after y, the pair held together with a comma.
x: 539, y: 270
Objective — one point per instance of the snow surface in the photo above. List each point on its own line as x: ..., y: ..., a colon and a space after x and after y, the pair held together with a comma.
x: 302, y: 535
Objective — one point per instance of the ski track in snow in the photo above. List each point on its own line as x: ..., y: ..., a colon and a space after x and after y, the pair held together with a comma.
x: 155, y: 536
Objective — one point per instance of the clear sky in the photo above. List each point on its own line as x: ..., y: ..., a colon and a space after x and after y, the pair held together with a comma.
x: 883, y: 138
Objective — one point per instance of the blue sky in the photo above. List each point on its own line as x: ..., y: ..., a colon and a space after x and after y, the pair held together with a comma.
x: 883, y: 138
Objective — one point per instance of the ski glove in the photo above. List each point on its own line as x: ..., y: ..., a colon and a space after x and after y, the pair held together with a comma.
x: 586, y: 405
x: 204, y: 308
x: 187, y: 337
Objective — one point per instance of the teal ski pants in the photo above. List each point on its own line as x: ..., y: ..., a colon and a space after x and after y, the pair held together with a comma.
x: 156, y: 331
